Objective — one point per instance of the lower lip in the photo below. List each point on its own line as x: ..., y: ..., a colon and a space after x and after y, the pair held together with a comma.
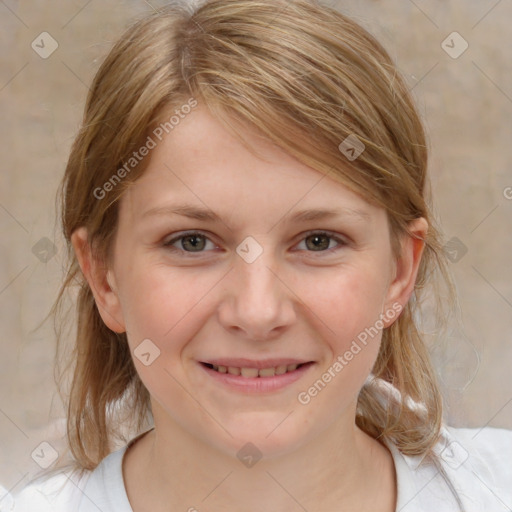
x: 257, y: 384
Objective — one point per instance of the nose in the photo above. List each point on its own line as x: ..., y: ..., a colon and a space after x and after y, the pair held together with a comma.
x: 258, y: 304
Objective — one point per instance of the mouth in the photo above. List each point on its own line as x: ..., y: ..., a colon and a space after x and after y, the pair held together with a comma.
x: 253, y: 372
x: 256, y: 376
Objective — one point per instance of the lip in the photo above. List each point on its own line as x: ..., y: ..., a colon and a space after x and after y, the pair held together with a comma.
x: 255, y: 385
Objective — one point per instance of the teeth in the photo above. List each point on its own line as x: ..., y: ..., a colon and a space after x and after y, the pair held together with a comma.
x: 254, y: 372
x: 249, y: 372
x: 267, y: 372
x: 281, y: 369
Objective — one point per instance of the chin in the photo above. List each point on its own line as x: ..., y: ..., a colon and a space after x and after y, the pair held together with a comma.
x: 262, y: 437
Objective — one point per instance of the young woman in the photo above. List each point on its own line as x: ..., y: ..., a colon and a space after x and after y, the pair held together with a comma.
x: 250, y: 233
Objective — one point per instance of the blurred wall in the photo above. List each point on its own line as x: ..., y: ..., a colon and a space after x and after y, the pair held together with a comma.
x: 464, y: 95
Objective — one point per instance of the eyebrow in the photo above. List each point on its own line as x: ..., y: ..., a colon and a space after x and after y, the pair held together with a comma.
x: 204, y: 214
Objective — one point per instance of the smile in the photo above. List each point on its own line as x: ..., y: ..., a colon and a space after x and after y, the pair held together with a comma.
x: 258, y: 380
x: 255, y: 372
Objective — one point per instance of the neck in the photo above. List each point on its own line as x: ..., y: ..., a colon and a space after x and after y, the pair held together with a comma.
x: 343, y: 469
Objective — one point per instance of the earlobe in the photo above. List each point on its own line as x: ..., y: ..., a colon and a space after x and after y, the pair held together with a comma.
x: 406, y: 267
x: 100, y: 281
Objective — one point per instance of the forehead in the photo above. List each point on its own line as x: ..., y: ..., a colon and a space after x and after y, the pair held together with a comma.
x: 201, y: 163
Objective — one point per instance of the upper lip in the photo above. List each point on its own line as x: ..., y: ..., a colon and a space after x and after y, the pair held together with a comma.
x: 252, y: 363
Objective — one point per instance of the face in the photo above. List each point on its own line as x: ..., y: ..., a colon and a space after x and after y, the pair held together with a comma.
x: 252, y: 291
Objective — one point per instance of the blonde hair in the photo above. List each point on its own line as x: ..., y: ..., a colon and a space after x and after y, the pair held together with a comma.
x: 306, y: 77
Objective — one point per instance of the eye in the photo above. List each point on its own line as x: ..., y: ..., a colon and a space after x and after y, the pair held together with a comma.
x: 320, y: 241
x: 193, y: 241
x: 196, y: 242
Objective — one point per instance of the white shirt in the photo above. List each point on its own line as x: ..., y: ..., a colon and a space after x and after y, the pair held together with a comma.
x: 477, y: 465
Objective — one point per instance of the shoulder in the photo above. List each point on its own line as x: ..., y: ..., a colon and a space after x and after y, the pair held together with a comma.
x: 78, y: 490
x: 491, y: 443
x: 57, y: 491
x: 472, y: 472
x: 486, y: 452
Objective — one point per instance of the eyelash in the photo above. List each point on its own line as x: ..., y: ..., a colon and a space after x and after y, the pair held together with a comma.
x: 332, y: 236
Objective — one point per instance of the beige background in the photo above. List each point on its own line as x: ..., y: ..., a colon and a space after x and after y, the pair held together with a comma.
x: 467, y: 105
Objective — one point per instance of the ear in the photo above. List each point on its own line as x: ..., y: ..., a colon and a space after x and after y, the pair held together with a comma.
x: 406, y: 269
x: 101, y: 281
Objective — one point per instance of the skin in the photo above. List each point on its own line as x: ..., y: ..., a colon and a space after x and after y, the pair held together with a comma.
x: 291, y: 301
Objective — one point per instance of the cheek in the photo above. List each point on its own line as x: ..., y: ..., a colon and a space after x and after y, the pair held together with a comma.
x: 349, y: 307
x: 169, y: 307
x: 347, y: 303
x: 162, y: 305
x: 156, y: 299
